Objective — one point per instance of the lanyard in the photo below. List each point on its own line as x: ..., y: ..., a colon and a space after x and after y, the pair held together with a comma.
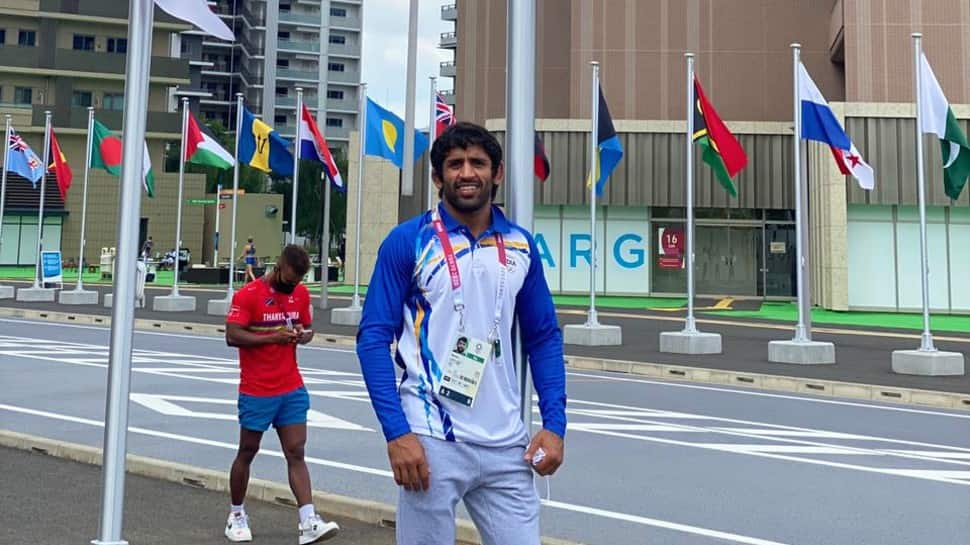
x: 457, y: 296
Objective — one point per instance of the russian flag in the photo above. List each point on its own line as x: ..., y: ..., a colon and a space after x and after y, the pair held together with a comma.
x: 821, y: 125
x: 313, y: 147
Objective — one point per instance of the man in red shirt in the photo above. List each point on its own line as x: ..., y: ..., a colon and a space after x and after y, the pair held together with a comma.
x: 267, y: 319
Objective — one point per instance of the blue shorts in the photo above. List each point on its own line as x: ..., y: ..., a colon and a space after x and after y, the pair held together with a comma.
x: 250, y: 260
x: 257, y: 413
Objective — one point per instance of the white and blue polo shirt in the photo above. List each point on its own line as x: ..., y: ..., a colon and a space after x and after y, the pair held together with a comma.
x: 409, y: 299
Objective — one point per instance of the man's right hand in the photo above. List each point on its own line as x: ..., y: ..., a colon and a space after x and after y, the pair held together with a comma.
x: 409, y: 463
x: 282, y: 336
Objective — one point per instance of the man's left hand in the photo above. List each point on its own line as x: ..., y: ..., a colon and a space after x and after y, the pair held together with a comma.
x: 552, y: 445
x: 303, y: 335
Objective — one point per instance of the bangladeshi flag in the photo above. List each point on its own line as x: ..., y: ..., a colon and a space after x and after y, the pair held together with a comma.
x: 106, y: 154
x: 722, y: 151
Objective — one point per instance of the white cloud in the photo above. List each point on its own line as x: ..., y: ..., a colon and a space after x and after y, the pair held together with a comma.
x: 385, y: 53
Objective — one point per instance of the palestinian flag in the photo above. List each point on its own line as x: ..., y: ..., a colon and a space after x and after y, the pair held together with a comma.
x: 62, y: 171
x: 202, y: 149
x: 106, y: 154
x: 722, y: 151
x: 937, y: 118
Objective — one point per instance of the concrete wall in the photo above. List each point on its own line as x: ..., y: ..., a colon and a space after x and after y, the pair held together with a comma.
x: 252, y: 220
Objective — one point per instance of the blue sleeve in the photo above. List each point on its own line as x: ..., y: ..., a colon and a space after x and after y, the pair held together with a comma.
x: 379, y: 326
x: 542, y: 341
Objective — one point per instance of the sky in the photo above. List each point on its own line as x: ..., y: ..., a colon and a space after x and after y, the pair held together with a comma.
x: 384, y: 62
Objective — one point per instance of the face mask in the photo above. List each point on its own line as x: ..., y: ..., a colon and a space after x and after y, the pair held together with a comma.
x: 284, y: 288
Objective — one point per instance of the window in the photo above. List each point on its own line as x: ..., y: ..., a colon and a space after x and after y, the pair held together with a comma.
x: 120, y: 45
x: 83, y: 43
x: 338, y: 39
x: 335, y: 66
x: 114, y: 102
x: 280, y: 119
x: 282, y: 91
x: 282, y: 63
x: 27, y: 38
x: 336, y: 95
x: 284, y: 8
x: 81, y: 99
x: 335, y: 122
x: 3, y: 36
x: 23, y: 95
x: 283, y: 35
x: 338, y: 12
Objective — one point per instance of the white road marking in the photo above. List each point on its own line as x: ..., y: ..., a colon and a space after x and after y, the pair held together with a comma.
x: 602, y: 513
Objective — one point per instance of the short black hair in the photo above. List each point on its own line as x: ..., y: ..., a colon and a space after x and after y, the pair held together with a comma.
x: 296, y: 257
x: 465, y: 135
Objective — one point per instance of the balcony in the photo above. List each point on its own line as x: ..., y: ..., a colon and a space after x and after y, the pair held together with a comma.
x: 297, y: 75
x: 447, y: 69
x: 289, y: 102
x: 449, y: 97
x: 306, y: 19
x: 449, y: 12
x: 337, y: 133
x: 344, y: 50
x: 449, y: 40
x: 91, y: 62
x: 298, y: 47
x: 349, y: 77
x: 352, y: 23
x: 344, y: 105
x: 65, y: 116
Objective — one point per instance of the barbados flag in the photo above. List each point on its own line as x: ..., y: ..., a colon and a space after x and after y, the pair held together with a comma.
x: 263, y: 148
x: 384, y: 136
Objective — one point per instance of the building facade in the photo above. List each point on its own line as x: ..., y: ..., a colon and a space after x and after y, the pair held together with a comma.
x: 864, y: 245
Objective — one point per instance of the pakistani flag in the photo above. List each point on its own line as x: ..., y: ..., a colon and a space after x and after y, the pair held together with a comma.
x: 938, y: 119
x: 202, y: 149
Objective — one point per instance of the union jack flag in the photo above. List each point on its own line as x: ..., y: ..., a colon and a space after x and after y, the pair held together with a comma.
x: 444, y: 114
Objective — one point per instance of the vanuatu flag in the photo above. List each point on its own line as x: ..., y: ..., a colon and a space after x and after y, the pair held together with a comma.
x: 722, y: 151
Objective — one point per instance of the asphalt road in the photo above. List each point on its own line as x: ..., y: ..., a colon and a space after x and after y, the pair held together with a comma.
x: 647, y: 461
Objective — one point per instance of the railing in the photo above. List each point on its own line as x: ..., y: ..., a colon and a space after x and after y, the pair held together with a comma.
x: 300, y: 18
x: 290, y: 45
x: 448, y: 39
x: 290, y: 73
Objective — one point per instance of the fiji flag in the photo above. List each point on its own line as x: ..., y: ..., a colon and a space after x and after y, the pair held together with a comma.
x: 608, y: 145
x: 384, y: 136
x: 313, y: 147
x: 263, y: 148
x: 820, y: 124
x: 22, y: 160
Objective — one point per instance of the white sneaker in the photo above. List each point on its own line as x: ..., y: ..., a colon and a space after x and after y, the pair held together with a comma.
x: 237, y: 528
x: 316, y: 529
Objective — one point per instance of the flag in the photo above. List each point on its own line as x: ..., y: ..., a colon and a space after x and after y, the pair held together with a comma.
x: 608, y: 145
x: 382, y: 136
x: 262, y: 148
x: 540, y: 161
x: 313, y: 147
x: 199, y: 14
x: 62, y: 171
x: 937, y: 118
x: 444, y: 115
x: 202, y: 149
x: 22, y: 160
x: 820, y: 124
x: 722, y: 151
x: 106, y: 154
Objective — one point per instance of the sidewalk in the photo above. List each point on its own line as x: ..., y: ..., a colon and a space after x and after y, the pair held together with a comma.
x: 55, y: 501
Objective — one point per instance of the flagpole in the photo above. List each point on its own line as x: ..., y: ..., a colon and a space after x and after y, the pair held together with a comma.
x: 235, y: 199
x: 592, y: 320
x: 926, y: 339
x: 84, y: 202
x: 137, y: 70
x: 432, y: 134
x: 215, y: 245
x: 689, y: 325
x: 802, y: 332
x: 296, y: 164
x: 325, y: 254
x: 355, y: 303
x: 407, y: 183
x: 178, y: 213
x: 3, y: 177
x: 38, y: 263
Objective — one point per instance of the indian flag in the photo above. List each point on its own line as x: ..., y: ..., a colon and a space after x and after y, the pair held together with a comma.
x: 938, y: 119
x: 202, y: 149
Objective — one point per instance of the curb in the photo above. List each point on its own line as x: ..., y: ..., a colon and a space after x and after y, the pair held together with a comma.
x: 369, y: 512
x: 777, y: 383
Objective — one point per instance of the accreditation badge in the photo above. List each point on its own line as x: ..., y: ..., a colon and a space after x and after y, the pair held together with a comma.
x: 464, y: 369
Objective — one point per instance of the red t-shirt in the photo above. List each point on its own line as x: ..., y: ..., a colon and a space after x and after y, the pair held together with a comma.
x: 269, y: 369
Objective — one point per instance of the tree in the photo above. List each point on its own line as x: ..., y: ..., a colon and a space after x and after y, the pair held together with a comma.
x: 309, y: 214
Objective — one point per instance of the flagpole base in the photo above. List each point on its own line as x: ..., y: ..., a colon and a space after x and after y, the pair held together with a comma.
x: 218, y: 307
x: 7, y: 292
x: 349, y: 316
x: 78, y: 297
x: 928, y: 363
x: 174, y: 303
x: 36, y: 295
x: 801, y: 352
x: 590, y: 334
x: 690, y: 342
x: 109, y: 299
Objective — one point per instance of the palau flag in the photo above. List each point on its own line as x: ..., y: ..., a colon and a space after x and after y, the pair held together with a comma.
x: 609, y: 147
x: 263, y: 148
x: 384, y: 136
